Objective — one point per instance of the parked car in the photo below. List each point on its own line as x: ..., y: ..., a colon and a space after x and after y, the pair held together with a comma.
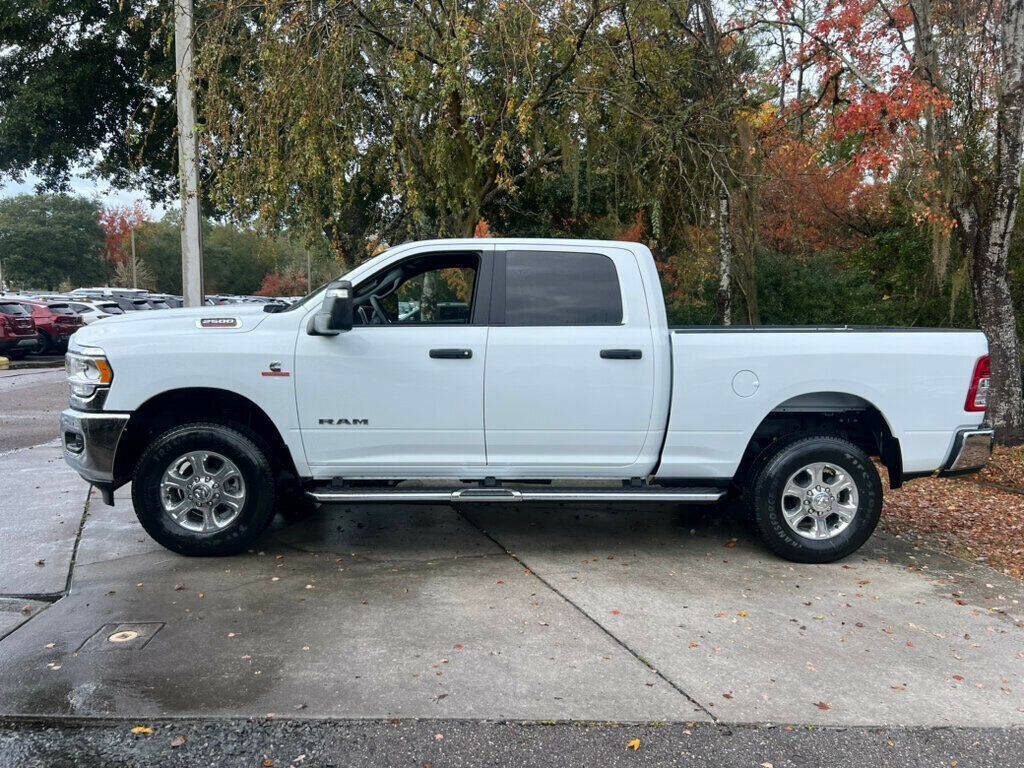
x: 91, y: 311
x: 166, y: 300
x: 17, y: 330
x: 55, y: 322
x: 559, y: 381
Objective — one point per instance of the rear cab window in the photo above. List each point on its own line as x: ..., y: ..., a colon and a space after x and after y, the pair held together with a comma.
x: 561, y: 288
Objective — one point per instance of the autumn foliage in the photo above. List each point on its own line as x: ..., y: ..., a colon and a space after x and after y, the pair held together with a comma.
x: 117, y: 223
x: 287, y: 283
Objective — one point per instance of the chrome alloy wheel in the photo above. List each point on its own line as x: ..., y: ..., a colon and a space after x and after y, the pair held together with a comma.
x: 819, y: 501
x: 202, y: 491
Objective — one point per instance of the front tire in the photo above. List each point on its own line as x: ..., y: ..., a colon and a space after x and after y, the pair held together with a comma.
x: 817, y: 499
x: 204, y: 489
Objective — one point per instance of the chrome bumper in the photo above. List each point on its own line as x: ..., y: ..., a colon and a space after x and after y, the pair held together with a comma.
x: 972, y: 448
x: 90, y: 441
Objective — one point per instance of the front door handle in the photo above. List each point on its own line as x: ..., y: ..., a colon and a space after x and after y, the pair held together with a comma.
x: 621, y: 354
x: 451, y: 354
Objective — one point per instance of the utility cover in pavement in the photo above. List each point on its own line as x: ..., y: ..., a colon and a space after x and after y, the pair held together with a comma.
x: 121, y: 637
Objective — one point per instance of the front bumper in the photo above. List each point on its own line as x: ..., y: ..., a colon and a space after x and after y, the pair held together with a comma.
x: 972, y: 448
x: 90, y: 442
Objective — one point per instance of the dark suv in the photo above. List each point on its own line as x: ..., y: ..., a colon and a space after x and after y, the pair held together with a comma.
x: 17, y: 329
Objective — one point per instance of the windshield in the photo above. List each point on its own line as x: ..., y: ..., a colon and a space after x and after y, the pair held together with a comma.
x: 61, y: 309
x: 110, y: 309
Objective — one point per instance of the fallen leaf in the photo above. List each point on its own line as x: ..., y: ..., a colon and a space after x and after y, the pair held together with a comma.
x: 823, y: 706
x: 730, y: 544
x: 178, y: 741
x: 142, y: 730
x: 767, y: 765
x: 633, y: 744
x: 615, y: 612
x: 743, y: 614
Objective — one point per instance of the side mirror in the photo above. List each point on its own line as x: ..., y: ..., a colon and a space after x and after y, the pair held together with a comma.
x: 336, y: 313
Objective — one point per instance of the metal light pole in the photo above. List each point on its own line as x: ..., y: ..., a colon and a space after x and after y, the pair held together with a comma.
x: 188, y: 150
x: 135, y: 264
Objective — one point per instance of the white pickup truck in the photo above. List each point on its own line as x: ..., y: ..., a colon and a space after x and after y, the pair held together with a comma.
x: 483, y: 371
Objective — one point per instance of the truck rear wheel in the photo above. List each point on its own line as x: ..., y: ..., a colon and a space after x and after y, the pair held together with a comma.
x: 204, y: 489
x: 817, y: 499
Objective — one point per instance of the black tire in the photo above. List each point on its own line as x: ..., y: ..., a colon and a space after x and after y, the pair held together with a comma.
x: 253, y: 464
x: 43, y: 343
x: 15, y: 354
x: 789, y: 458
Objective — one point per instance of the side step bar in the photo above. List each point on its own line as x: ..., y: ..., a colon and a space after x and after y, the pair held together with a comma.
x: 509, y: 495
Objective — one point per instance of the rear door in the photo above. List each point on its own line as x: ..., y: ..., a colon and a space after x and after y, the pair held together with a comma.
x: 569, y: 381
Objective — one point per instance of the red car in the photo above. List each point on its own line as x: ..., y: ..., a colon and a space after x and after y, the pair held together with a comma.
x: 55, y: 322
x: 17, y: 330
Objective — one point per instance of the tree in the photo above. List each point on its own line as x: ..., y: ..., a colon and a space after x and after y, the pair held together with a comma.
x: 935, y: 89
x: 118, y: 222
x: 47, y: 240
x: 367, y: 118
x: 289, y: 283
x: 84, y: 83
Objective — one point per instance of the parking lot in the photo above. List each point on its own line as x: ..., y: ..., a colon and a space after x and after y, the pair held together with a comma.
x: 559, y: 613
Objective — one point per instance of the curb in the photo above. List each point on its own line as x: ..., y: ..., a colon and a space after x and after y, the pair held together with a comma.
x: 15, y: 365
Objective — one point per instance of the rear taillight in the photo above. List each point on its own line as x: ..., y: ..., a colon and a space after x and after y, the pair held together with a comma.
x: 977, y: 394
x: 5, y: 325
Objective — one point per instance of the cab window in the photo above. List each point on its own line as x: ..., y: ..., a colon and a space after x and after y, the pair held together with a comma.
x: 433, y: 289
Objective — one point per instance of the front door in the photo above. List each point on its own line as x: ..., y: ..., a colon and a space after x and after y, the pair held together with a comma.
x: 401, y: 394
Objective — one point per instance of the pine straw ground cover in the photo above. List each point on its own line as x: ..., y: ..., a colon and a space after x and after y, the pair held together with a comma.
x: 978, y: 517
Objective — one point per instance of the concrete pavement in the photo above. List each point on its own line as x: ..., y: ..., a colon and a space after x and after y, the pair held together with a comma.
x: 508, y: 613
x: 30, y: 403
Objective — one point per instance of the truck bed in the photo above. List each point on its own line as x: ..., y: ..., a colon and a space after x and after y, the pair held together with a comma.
x: 722, y: 389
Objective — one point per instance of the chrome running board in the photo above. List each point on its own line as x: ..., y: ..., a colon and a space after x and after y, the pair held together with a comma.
x: 361, y: 495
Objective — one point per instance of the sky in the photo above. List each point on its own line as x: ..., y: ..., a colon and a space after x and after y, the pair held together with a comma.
x: 81, y: 185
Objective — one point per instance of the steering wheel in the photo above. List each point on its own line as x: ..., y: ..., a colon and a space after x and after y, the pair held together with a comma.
x: 378, y: 311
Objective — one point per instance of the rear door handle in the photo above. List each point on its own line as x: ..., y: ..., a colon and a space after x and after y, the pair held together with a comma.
x: 451, y: 354
x: 621, y: 354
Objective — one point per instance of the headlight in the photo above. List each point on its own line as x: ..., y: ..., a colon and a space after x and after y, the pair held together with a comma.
x: 87, y: 370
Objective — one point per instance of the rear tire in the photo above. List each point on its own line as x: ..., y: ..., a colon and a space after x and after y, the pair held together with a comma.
x: 43, y: 343
x: 817, y: 499
x: 217, y: 505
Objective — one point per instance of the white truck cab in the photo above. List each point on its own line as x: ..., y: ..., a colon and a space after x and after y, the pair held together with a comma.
x: 511, y: 370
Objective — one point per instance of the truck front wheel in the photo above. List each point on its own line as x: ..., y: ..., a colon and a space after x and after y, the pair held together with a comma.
x: 817, y: 499
x: 204, y: 489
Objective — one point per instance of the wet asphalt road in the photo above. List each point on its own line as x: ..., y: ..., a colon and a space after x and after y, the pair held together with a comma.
x: 462, y: 743
x: 31, y: 400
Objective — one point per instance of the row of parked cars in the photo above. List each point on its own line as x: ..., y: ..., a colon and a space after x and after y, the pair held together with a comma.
x: 41, y: 323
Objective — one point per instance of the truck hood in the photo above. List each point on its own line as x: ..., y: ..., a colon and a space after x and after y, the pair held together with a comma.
x: 232, y: 318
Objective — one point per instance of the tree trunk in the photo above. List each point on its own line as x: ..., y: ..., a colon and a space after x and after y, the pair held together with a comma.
x: 724, y: 259
x: 993, y: 302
